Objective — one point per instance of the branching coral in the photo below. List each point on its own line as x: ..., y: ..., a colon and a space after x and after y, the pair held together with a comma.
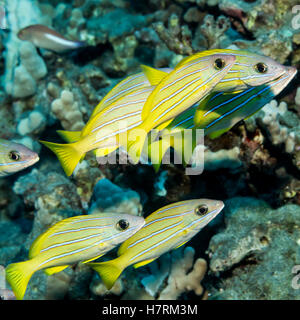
x: 282, y: 124
x: 210, y: 34
x: 176, y: 37
x: 183, y: 274
x: 67, y: 110
x: 22, y: 63
x: 186, y: 275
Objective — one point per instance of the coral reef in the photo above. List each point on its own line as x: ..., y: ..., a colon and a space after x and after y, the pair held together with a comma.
x: 281, y: 124
x: 252, y: 249
x: 265, y: 248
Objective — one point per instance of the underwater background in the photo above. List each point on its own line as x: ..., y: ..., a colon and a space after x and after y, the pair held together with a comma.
x: 252, y: 249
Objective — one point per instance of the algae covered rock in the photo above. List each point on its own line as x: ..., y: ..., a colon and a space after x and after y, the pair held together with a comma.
x: 254, y: 256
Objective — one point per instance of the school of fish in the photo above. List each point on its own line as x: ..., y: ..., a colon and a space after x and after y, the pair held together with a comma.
x: 210, y: 90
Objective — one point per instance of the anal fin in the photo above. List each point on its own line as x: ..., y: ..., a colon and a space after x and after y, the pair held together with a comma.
x: 143, y: 263
x: 52, y: 270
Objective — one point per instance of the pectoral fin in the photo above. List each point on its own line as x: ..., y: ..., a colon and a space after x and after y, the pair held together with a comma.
x: 143, y: 263
x: 181, y: 245
x: 92, y: 259
x: 52, y: 270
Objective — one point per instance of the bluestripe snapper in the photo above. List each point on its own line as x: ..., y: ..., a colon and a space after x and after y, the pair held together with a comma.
x: 15, y: 157
x: 173, y: 93
x: 216, y: 114
x: 119, y: 111
x: 165, y: 229
x: 76, y: 239
x: 178, y: 91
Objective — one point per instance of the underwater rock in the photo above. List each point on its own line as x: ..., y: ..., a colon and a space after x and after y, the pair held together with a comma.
x: 23, y: 65
x: 110, y: 197
x: 11, y: 240
x: 101, y: 28
x: 259, y: 246
x: 86, y: 176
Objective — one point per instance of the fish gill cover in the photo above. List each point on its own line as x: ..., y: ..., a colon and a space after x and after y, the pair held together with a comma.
x: 215, y: 86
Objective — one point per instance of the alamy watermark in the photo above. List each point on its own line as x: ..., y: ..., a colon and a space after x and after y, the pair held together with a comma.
x: 296, y: 278
x: 296, y: 18
x: 188, y: 146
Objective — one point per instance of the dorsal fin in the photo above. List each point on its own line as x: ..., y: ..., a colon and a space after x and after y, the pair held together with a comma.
x: 153, y: 75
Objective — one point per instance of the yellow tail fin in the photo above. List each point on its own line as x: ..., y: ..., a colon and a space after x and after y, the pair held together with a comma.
x: 67, y: 154
x: 18, y: 276
x: 69, y: 136
x: 109, y: 271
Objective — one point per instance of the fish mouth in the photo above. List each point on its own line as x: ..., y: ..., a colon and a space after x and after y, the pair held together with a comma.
x: 31, y: 161
x: 292, y: 71
x: 141, y: 224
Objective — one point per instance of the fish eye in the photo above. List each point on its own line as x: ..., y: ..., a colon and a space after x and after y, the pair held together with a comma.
x: 14, y: 155
x: 261, y: 67
x: 201, y: 210
x: 122, y: 224
x: 219, y: 64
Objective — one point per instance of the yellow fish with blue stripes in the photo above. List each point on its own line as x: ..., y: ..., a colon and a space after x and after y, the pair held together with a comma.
x: 130, y: 84
x: 178, y: 91
x: 76, y: 239
x: 216, y: 114
x: 165, y: 229
x: 15, y: 157
x: 119, y: 111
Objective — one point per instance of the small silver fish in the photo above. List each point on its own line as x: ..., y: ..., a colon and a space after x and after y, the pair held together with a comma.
x: 46, y: 38
x: 15, y: 157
